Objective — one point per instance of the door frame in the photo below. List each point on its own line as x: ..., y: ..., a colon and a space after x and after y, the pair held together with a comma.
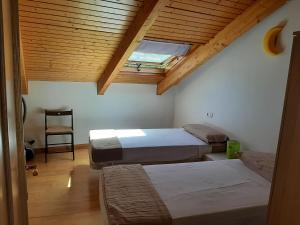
x: 4, y: 127
x: 18, y: 110
x: 21, y: 204
x: 284, y: 202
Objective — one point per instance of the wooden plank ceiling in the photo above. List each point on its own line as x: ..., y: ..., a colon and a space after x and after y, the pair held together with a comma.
x: 74, y: 40
x: 195, y: 21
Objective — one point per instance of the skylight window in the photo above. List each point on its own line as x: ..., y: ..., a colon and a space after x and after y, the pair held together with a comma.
x: 156, y: 55
x: 148, y: 57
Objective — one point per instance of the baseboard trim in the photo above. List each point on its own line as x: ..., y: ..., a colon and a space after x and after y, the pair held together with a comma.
x: 62, y: 148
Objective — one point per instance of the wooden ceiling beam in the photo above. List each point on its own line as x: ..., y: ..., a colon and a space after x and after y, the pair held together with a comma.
x: 137, y: 29
x: 244, y: 22
x: 138, y: 77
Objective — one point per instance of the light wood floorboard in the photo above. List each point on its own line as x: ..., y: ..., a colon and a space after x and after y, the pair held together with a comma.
x: 65, y: 192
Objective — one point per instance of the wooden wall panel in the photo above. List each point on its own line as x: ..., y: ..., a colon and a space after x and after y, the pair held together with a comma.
x: 285, y: 196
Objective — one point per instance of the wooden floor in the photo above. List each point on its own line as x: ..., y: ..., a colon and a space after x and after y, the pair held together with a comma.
x: 65, y: 192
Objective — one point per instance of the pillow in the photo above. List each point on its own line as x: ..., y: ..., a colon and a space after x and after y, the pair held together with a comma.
x: 261, y: 163
x: 205, y: 133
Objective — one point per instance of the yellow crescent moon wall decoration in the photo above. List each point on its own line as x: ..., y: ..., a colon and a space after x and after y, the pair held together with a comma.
x: 271, y: 41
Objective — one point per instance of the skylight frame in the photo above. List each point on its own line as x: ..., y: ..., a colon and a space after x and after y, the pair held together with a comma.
x: 163, y: 66
x: 146, y: 65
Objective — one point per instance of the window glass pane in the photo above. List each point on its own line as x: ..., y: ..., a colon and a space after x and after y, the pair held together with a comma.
x: 148, y: 57
x: 164, y: 48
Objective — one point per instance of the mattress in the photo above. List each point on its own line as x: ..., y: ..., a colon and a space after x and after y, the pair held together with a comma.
x: 212, y: 193
x: 152, y: 145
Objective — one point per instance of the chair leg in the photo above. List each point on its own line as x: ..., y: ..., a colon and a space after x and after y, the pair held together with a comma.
x: 46, y: 148
x: 73, y: 148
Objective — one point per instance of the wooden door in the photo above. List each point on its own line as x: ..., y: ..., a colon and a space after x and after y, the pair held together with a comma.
x: 4, y: 203
x: 5, y: 183
x: 284, y: 206
x: 12, y: 161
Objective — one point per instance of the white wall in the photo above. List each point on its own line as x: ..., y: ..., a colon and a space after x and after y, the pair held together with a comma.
x: 122, y: 106
x: 242, y: 86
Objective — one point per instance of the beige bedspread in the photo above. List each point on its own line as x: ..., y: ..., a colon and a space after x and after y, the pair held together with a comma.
x: 222, y: 192
x: 130, y: 197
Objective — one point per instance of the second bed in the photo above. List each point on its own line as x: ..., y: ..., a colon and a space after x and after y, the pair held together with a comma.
x: 213, y: 193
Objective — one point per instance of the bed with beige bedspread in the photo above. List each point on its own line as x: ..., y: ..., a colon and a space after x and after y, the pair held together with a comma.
x: 210, y: 193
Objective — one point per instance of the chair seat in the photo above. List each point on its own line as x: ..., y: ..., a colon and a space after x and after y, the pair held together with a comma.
x: 59, y: 130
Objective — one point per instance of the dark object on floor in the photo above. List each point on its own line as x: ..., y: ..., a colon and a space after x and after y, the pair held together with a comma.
x: 29, y: 153
x: 58, y: 130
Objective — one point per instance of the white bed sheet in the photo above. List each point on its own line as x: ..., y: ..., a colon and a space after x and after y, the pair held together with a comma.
x: 137, y: 138
x: 211, y: 193
x: 155, y: 145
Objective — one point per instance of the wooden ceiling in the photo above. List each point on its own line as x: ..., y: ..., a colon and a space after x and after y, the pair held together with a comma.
x: 195, y: 21
x: 72, y: 40
x: 75, y: 40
